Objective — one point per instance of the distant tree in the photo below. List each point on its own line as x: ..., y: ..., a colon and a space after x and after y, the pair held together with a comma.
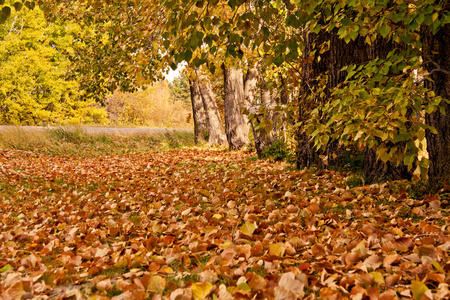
x: 34, y: 61
x: 180, y: 88
x: 201, y: 121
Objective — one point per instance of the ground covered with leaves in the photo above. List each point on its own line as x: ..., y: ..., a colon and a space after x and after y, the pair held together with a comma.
x: 210, y: 224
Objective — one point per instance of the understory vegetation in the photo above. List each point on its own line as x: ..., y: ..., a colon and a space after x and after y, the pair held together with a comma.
x: 74, y: 141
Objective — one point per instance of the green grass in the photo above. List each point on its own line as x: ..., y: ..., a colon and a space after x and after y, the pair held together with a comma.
x: 76, y: 142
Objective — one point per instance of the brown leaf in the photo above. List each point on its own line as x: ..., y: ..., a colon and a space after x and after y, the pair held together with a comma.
x: 257, y: 283
x: 373, y: 262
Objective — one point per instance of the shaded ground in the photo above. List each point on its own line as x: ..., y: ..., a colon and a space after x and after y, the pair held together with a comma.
x: 196, y: 223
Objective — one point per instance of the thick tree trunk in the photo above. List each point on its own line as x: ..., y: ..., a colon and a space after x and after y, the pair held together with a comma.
x: 250, y: 89
x: 201, y: 122
x: 236, y: 125
x: 251, y: 86
x: 266, y: 136
x: 215, y: 130
x: 436, y: 56
x: 310, y: 97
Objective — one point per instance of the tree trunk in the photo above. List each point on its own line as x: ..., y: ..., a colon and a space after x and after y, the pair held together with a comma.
x: 310, y: 97
x: 215, y: 130
x: 251, y: 86
x: 201, y: 121
x: 236, y: 124
x: 436, y: 55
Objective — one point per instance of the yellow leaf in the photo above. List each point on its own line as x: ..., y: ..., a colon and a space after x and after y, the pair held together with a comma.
x: 397, y: 231
x: 435, y: 16
x: 201, y: 289
x: 248, y: 228
x: 123, y: 263
x: 377, y: 277
x: 418, y: 289
x: 166, y: 269
x: 217, y: 216
x: 156, y: 284
x: 437, y: 266
x: 276, y: 249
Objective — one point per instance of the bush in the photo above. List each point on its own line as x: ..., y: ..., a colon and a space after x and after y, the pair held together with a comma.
x: 279, y: 150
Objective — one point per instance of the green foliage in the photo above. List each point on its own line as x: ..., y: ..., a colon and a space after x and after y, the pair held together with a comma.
x: 34, y: 63
x: 376, y: 109
x: 180, y: 88
x: 355, y: 180
x: 279, y: 150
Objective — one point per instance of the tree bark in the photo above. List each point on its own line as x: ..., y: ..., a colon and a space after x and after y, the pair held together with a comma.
x: 201, y: 122
x: 309, y: 98
x: 250, y: 89
x: 236, y: 124
x: 436, y: 53
x: 251, y: 86
x: 215, y: 129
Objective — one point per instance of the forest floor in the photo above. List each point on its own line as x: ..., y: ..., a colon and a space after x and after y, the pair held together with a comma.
x: 210, y: 224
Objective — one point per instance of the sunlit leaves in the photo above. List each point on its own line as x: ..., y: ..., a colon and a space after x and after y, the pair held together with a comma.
x: 200, y: 290
x: 248, y: 228
x: 418, y: 289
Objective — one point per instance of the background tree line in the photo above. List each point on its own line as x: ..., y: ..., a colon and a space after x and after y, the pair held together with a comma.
x: 344, y: 75
x: 40, y: 83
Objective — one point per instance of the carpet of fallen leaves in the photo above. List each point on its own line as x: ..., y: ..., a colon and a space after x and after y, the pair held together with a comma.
x: 210, y: 224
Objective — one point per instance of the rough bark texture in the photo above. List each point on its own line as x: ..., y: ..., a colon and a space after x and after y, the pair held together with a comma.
x: 236, y: 125
x: 436, y: 50
x: 264, y: 139
x: 309, y: 99
x: 201, y: 121
x: 250, y: 89
x: 250, y: 86
x: 215, y: 130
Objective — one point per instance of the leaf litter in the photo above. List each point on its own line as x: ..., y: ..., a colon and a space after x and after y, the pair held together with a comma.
x: 209, y: 224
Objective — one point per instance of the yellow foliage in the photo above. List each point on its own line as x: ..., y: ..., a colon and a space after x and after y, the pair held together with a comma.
x: 152, y: 107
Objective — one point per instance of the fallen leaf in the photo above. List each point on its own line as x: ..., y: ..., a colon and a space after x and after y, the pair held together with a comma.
x: 201, y: 289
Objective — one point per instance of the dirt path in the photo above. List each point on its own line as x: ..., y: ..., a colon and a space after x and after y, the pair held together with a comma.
x: 99, y: 130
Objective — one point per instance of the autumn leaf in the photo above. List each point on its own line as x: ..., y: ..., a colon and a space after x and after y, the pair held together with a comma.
x: 276, y: 249
x: 181, y: 248
x: 201, y: 289
x: 248, y: 228
x: 156, y: 284
x: 418, y: 289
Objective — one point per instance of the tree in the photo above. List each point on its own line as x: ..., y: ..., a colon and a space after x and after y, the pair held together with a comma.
x: 201, y: 121
x: 236, y: 126
x: 180, y: 88
x: 216, y: 135
x: 151, y: 106
x: 120, y: 49
x: 34, y: 59
x: 436, y: 53
x: 375, y: 106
